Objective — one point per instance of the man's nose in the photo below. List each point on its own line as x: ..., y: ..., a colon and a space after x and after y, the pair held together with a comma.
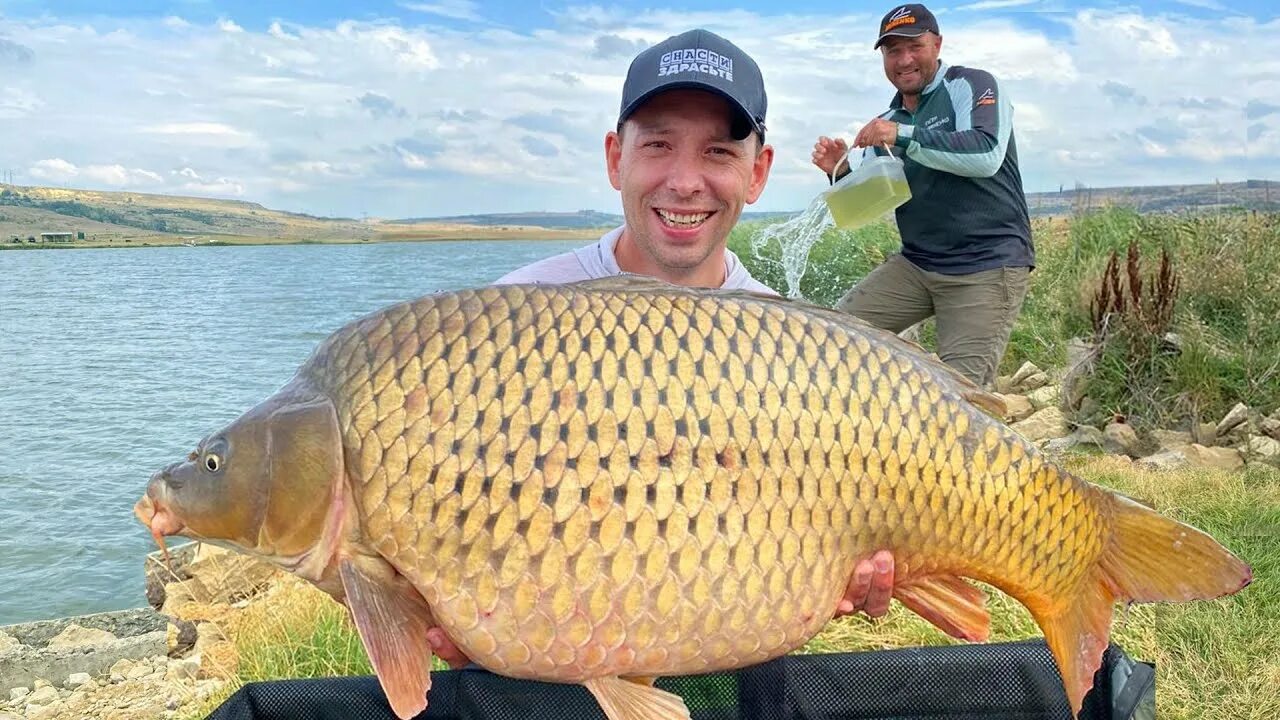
x: 685, y: 176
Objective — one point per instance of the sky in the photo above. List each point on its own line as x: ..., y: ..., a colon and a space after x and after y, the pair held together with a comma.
x: 422, y: 108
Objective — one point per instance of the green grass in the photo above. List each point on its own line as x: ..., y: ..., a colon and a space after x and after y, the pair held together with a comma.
x: 1226, y: 313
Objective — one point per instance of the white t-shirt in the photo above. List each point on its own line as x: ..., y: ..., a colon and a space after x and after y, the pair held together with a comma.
x: 597, y: 261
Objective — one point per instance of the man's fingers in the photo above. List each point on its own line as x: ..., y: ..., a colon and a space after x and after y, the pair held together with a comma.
x: 859, y: 585
x: 880, y: 591
x: 444, y: 649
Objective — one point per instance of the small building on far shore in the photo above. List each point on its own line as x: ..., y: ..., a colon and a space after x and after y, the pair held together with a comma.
x: 57, y: 237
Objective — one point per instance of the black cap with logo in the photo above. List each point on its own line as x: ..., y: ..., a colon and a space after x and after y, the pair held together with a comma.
x: 911, y: 20
x: 702, y: 60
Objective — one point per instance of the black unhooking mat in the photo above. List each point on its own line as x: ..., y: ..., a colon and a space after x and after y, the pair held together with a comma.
x: 1009, y: 681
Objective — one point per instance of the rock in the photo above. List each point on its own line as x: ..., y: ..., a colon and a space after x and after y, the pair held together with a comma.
x: 1164, y: 460
x: 43, y: 696
x: 138, y: 672
x: 180, y: 637
x: 1234, y: 417
x: 41, y: 683
x: 1027, y: 370
x: 177, y: 594
x: 1085, y: 436
x: 122, y: 667
x: 186, y: 669
x: 1264, y: 449
x: 1171, y: 439
x: 1212, y: 457
x: 230, y: 577
x: 1017, y: 407
x: 1043, y: 425
x: 1057, y: 447
x: 79, y: 679
x: 1047, y: 396
x: 1004, y: 384
x: 1088, y: 435
x: 1120, y: 439
x: 1081, y: 356
x: 76, y: 636
x: 1205, y: 434
x: 18, y: 693
x: 206, y: 634
x: 7, y: 642
x: 1035, y: 382
x: 1270, y: 427
x: 158, y: 573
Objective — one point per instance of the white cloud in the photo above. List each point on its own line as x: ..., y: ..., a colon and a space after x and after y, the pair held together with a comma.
x: 996, y: 4
x: 194, y: 128
x: 408, y: 120
x: 454, y: 9
x: 57, y: 170
x: 16, y: 102
x: 222, y: 187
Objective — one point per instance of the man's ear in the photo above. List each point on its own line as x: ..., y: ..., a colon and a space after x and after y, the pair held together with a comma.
x: 760, y: 173
x: 613, y: 158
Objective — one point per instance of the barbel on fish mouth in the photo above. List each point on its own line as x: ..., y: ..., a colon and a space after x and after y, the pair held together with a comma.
x: 608, y: 481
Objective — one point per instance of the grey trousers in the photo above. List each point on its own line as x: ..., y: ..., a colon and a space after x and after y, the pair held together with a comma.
x: 975, y: 312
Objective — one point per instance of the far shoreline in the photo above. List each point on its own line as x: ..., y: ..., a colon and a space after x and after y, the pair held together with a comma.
x: 464, y: 235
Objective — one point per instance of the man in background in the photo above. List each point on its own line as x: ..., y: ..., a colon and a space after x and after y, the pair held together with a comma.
x: 966, y: 233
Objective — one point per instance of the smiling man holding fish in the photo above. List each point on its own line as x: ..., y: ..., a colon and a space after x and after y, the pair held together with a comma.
x: 688, y: 153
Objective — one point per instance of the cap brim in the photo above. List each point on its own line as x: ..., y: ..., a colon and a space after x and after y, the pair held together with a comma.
x: 742, y: 111
x: 905, y: 32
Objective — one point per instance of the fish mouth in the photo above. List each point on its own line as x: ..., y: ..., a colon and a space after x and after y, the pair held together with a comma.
x: 159, y: 520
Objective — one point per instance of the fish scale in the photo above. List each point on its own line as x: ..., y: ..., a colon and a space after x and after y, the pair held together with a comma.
x: 625, y: 479
x: 640, y: 510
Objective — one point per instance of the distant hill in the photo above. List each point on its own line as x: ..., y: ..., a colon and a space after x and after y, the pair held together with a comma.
x: 112, y: 217
x: 579, y: 219
x: 1250, y: 195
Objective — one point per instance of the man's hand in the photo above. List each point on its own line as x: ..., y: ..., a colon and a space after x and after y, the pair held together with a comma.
x: 877, y: 132
x: 444, y: 649
x: 827, y: 152
x: 870, y: 587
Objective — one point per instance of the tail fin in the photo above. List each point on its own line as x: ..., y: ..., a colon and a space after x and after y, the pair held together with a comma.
x: 1150, y: 558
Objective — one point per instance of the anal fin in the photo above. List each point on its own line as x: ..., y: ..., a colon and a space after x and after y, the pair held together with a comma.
x: 628, y: 700
x: 953, y: 605
x: 392, y: 619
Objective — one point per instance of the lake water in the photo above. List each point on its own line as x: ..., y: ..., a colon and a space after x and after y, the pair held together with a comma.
x: 114, y: 363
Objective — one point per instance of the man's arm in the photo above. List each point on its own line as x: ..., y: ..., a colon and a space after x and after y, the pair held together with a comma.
x: 977, y: 145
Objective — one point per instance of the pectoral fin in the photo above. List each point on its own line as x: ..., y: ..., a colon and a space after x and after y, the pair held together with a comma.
x: 631, y: 700
x: 950, y: 603
x: 392, y: 619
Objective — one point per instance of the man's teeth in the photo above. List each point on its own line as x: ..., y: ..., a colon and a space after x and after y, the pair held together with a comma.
x: 679, y: 219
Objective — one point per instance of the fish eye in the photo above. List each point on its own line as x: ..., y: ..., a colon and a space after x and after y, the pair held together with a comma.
x: 212, y: 462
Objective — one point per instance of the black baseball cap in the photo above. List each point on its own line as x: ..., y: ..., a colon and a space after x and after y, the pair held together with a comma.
x: 911, y: 20
x: 702, y: 60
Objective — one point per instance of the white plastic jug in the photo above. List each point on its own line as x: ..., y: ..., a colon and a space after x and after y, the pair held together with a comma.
x: 876, y: 187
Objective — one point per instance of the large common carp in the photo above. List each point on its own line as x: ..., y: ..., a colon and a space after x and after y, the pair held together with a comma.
x: 608, y: 481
